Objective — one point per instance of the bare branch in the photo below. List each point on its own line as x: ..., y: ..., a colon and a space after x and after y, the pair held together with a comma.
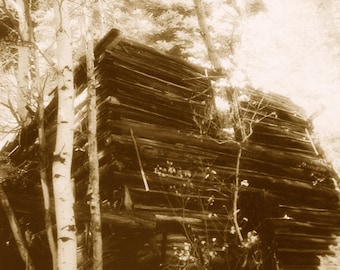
x: 51, y: 64
x: 10, y: 106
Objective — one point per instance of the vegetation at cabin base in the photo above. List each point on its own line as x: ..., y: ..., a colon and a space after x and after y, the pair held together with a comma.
x: 200, y: 249
x: 127, y: 111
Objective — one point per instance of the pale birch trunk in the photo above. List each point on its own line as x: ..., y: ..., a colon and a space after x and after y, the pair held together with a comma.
x: 96, y: 227
x: 18, y: 237
x: 43, y: 164
x: 62, y: 156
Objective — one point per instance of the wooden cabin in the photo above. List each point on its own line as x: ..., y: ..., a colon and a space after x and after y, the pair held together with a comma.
x: 168, y: 170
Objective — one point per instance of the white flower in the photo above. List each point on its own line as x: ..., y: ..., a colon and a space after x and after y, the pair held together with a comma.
x: 245, y: 183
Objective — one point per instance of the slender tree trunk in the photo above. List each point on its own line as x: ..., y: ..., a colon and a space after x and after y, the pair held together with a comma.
x: 213, y: 56
x: 23, y: 72
x: 102, y: 18
x: 43, y: 163
x: 62, y: 156
x: 212, y: 52
x: 96, y: 226
x: 13, y: 222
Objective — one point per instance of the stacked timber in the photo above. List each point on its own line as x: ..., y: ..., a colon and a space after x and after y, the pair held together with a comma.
x: 168, y: 170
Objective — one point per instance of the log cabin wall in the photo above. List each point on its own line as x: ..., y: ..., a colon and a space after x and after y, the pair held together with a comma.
x: 168, y: 170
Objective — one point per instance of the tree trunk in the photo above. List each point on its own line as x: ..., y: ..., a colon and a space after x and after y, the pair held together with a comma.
x: 62, y: 156
x: 13, y: 222
x: 23, y: 72
x: 96, y: 225
x: 43, y: 164
x: 102, y: 18
x: 213, y: 56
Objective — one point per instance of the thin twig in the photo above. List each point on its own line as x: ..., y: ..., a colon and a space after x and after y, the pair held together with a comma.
x: 236, y: 195
x: 14, y: 113
x: 48, y: 61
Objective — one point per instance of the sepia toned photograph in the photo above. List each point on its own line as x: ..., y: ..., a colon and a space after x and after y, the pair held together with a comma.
x: 169, y: 135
